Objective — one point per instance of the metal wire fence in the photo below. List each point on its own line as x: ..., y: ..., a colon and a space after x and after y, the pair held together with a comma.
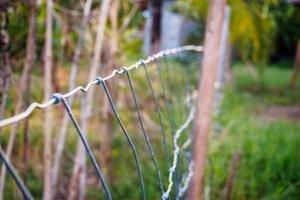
x: 176, y: 180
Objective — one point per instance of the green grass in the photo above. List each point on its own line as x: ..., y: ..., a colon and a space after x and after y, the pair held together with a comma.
x: 273, y: 87
x: 269, y: 148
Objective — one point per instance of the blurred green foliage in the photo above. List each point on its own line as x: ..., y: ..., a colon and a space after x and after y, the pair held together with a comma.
x: 67, y: 17
x: 268, y: 143
x: 258, y: 29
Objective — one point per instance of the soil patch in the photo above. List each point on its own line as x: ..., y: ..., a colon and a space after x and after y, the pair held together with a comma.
x: 291, y: 113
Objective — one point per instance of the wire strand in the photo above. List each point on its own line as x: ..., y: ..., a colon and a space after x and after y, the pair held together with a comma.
x: 21, y: 186
x: 185, y: 182
x: 85, y: 144
x: 169, y: 94
x: 161, y: 120
x: 35, y: 105
x: 132, y: 146
x: 177, y: 151
x: 137, y: 108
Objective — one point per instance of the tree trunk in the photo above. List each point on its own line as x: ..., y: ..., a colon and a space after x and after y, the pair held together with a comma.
x: 229, y: 79
x: 79, y: 170
x: 128, y: 19
x: 224, y: 48
x: 47, y: 95
x: 25, y: 78
x: 5, y: 83
x: 4, y: 42
x: 106, y: 134
x: 54, y: 80
x: 223, y: 61
x: 297, y: 67
x: 206, y: 94
x: 72, y: 84
x: 30, y: 57
x: 155, y: 7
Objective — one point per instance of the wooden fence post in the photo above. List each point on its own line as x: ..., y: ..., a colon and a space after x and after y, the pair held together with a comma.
x: 206, y: 93
x: 224, y: 61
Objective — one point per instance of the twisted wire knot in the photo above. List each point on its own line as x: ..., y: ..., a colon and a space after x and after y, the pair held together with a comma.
x: 99, y: 80
x: 57, y: 98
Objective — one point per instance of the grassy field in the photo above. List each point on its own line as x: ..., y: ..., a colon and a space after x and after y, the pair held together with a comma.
x: 260, y: 121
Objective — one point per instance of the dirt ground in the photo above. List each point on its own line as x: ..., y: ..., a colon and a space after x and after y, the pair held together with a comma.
x: 291, y: 113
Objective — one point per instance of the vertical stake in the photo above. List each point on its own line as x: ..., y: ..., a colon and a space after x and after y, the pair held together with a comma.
x: 206, y: 94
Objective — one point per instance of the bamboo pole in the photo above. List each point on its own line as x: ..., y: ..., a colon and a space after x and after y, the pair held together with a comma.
x: 78, y: 179
x: 29, y: 62
x: 72, y: 84
x: 48, y: 114
x: 23, y: 87
x: 4, y: 51
x: 106, y: 130
x: 206, y: 94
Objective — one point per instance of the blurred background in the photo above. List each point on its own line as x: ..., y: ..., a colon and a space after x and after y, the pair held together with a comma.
x: 53, y: 46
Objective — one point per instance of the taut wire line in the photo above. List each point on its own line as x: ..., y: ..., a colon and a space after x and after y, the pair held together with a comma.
x: 161, y: 120
x: 137, y: 108
x: 59, y: 98
x: 21, y: 186
x: 100, y: 81
x: 44, y: 105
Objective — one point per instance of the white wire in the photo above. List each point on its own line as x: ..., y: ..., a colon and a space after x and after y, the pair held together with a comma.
x: 35, y: 105
x: 188, y: 102
x: 186, y: 144
x: 176, y: 151
x: 185, y: 182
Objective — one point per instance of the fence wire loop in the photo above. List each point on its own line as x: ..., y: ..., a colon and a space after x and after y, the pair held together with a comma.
x: 142, y: 62
x: 57, y: 98
x: 99, y: 80
x: 125, y: 69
